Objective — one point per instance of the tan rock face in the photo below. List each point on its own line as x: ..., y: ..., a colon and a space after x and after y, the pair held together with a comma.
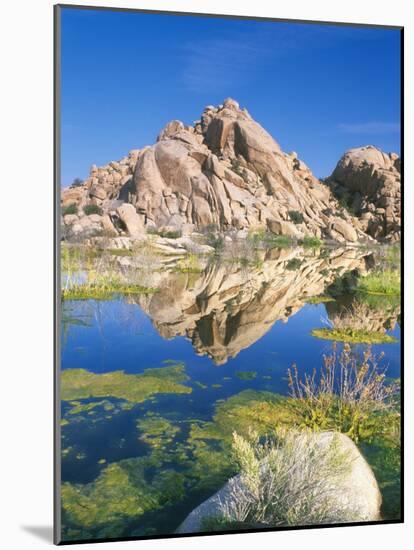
x: 370, y: 182
x: 227, y: 171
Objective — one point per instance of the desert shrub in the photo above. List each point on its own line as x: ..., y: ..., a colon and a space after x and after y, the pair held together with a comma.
x: 70, y: 209
x: 239, y: 169
x: 348, y: 394
x: 287, y: 480
x: 92, y: 209
x: 216, y: 241
x: 294, y: 264
x: 77, y: 182
x: 296, y: 216
x: 328, y: 212
x: 170, y: 234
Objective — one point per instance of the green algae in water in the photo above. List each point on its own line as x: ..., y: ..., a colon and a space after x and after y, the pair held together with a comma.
x: 120, y: 493
x: 353, y: 336
x: 156, y: 431
x: 246, y: 375
x: 83, y: 384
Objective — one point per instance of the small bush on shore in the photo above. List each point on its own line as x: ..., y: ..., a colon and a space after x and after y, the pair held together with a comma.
x: 92, y: 209
x: 296, y: 216
x: 70, y: 209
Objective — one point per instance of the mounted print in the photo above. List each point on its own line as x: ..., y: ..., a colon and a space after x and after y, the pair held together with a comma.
x: 228, y: 274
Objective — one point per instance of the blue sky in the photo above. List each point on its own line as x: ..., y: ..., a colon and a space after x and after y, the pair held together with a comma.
x: 318, y: 89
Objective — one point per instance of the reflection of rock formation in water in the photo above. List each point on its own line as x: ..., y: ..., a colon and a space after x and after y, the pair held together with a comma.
x: 352, y: 312
x: 228, y: 307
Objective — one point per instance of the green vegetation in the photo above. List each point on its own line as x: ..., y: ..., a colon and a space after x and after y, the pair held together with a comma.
x: 322, y: 299
x: 184, y: 459
x: 189, y: 264
x: 82, y: 384
x: 156, y: 431
x: 296, y: 216
x: 123, y: 491
x: 70, y: 209
x: 119, y: 251
x: 79, y: 408
x: 92, y: 209
x: 353, y: 336
x: 347, y: 394
x: 287, y: 480
x: 311, y: 242
x: 246, y: 375
x: 387, y: 282
x: 77, y: 182
x: 268, y: 239
x: 294, y: 264
x: 103, y: 287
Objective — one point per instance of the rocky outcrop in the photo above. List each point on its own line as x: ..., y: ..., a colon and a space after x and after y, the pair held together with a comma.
x: 227, y: 307
x: 225, y: 171
x: 356, y: 491
x: 369, y: 182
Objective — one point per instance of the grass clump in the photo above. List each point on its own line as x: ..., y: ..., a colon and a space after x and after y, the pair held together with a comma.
x: 189, y: 264
x: 387, y: 282
x: 70, y: 209
x: 92, y: 209
x: 349, y: 394
x: 289, y: 479
x: 103, y: 288
x: 82, y: 384
x: 120, y: 252
x: 353, y: 336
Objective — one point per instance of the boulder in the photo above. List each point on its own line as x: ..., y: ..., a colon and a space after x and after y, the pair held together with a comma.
x: 288, y: 229
x: 370, y: 180
x: 345, y: 230
x: 131, y: 219
x: 357, y: 490
x: 69, y: 219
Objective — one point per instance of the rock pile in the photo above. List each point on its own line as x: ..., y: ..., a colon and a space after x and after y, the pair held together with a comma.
x: 369, y: 182
x: 227, y: 172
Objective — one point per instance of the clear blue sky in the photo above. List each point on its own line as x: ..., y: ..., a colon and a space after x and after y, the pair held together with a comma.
x: 318, y: 89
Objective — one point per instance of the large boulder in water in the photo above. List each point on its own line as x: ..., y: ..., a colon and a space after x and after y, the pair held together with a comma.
x: 356, y: 490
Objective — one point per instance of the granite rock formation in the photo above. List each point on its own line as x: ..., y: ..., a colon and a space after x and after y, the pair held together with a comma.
x: 369, y: 182
x: 226, y: 171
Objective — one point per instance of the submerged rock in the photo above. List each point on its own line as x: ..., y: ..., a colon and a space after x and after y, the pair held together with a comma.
x: 356, y: 490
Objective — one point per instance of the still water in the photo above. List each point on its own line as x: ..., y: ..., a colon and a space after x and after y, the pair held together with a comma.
x: 227, y: 331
